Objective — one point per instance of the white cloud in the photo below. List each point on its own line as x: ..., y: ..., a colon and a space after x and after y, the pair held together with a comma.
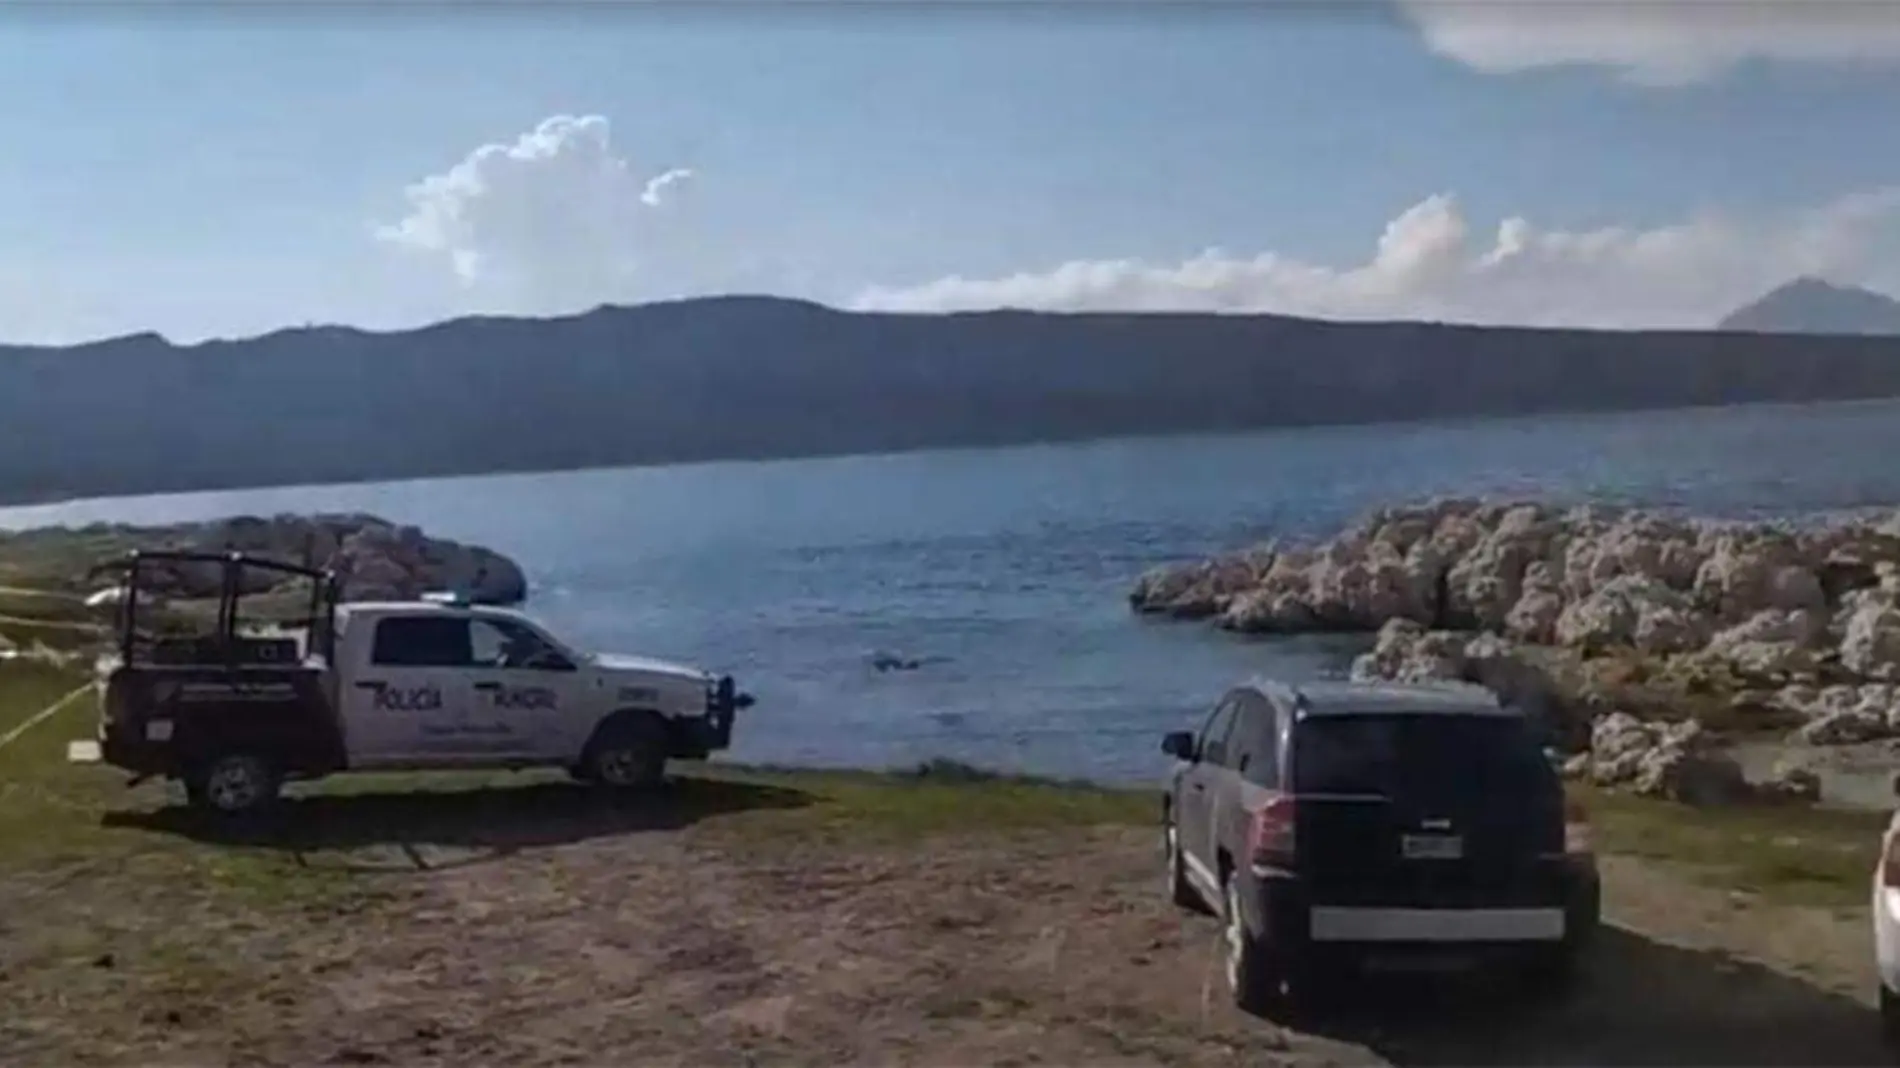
x: 554, y: 221
x: 1658, y: 42
x: 655, y: 190
x: 1427, y: 266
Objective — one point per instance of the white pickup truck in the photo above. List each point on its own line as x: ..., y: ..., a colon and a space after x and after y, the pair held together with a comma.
x: 384, y: 686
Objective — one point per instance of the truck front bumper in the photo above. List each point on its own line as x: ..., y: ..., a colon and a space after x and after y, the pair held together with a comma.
x: 695, y: 738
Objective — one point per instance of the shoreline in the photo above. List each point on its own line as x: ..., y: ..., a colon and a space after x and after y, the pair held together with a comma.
x: 10, y: 502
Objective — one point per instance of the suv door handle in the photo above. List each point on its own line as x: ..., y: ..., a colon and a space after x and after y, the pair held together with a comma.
x: 1200, y: 788
x: 487, y: 687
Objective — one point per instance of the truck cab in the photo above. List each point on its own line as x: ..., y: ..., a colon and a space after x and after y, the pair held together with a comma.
x: 439, y: 683
x: 421, y: 684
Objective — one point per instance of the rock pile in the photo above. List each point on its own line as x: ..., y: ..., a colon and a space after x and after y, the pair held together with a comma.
x: 1798, y: 620
x: 374, y: 559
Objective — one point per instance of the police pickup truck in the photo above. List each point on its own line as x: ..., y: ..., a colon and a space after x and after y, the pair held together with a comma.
x: 373, y: 686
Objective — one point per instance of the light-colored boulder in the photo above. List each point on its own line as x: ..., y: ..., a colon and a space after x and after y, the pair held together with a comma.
x: 1678, y: 761
x: 1750, y: 571
x: 1358, y: 586
x: 1485, y: 584
x: 1847, y: 726
x: 1663, y: 549
x: 1201, y: 588
x: 1267, y: 611
x: 1407, y: 652
x: 1774, y: 644
x: 1632, y: 611
x: 1870, y: 639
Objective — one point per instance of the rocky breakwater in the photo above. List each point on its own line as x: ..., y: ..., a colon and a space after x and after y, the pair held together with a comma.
x: 1631, y: 630
x: 374, y: 559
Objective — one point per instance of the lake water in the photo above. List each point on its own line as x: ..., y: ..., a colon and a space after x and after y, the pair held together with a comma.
x: 1007, y: 569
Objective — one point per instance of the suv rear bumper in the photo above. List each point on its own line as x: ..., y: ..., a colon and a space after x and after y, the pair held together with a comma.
x: 1287, y: 918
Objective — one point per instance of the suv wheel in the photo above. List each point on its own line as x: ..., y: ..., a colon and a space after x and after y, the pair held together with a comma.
x: 234, y: 784
x: 1251, y: 979
x: 1180, y: 891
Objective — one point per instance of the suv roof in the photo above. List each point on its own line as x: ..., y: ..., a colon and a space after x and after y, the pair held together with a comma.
x: 1334, y: 698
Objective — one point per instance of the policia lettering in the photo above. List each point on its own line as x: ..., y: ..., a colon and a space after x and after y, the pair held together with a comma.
x: 404, y: 699
x: 429, y: 698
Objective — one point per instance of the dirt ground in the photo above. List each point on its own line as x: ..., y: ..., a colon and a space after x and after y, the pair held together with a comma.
x: 675, y: 939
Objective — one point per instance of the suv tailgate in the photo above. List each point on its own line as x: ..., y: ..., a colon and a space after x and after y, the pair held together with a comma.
x: 1441, y: 810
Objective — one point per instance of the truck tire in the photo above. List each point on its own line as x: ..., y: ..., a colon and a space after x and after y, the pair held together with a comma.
x: 233, y: 784
x: 629, y: 753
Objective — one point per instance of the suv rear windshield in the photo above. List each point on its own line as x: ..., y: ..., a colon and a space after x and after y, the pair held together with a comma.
x: 1436, y: 755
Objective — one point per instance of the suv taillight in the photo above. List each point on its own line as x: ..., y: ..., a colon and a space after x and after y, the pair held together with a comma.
x: 1576, y: 827
x: 1270, y: 837
x: 1890, y: 861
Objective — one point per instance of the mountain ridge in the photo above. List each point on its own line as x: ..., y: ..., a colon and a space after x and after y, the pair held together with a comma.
x: 753, y: 377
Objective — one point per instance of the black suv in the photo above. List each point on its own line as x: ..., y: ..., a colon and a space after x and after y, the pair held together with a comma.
x: 1398, y: 827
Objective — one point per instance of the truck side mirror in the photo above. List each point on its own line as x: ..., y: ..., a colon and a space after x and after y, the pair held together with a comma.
x: 1178, y: 744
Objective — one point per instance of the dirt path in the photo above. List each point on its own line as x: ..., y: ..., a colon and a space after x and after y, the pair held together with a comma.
x: 696, y: 947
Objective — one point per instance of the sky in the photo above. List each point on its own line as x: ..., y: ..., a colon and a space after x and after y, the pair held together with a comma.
x: 211, y: 170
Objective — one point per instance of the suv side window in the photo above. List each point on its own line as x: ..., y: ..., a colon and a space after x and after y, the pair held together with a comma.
x: 1257, y: 742
x: 1220, y: 728
x: 420, y: 641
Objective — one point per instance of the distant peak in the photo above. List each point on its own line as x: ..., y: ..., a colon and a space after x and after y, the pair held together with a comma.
x: 1815, y: 283
x: 1809, y: 304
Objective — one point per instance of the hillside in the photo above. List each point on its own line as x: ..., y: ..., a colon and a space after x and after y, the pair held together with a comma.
x: 754, y: 377
x: 1812, y: 306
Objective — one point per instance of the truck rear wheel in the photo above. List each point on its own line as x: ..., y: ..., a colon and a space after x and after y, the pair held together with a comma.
x: 629, y: 754
x: 233, y: 784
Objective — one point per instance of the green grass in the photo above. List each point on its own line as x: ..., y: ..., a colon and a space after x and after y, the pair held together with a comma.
x: 1789, y: 854
x: 54, y: 814
x: 942, y: 797
x: 51, y: 605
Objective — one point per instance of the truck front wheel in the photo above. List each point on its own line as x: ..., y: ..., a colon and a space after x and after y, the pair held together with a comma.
x: 233, y: 784
x: 629, y: 753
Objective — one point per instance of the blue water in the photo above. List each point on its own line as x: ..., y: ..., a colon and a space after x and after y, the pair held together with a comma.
x: 1013, y: 564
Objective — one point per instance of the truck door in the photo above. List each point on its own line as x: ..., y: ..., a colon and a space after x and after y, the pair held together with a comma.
x: 408, y: 705
x: 524, y: 689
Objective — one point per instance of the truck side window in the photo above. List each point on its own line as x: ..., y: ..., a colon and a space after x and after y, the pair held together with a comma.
x: 503, y: 643
x: 421, y: 641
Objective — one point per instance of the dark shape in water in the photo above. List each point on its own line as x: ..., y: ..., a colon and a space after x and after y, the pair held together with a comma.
x: 885, y: 660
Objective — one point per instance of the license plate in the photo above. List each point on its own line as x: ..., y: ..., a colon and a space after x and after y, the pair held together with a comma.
x: 1432, y: 846
x: 83, y: 753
